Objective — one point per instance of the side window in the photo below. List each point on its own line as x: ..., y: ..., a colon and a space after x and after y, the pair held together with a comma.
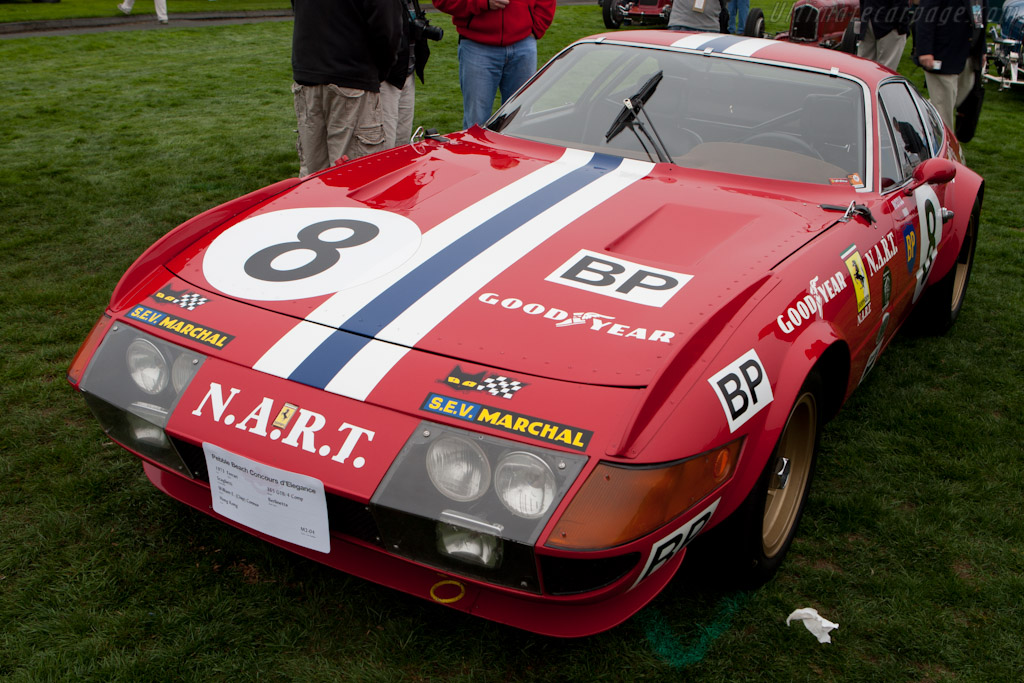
x: 909, y: 136
x: 890, y: 171
x: 931, y: 119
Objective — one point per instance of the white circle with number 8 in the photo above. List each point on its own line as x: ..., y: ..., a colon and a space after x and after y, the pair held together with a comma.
x: 303, y: 253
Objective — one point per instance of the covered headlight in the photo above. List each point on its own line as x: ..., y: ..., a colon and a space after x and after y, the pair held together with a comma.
x: 485, y: 507
x: 525, y: 484
x: 458, y: 468
x: 133, y: 383
x: 147, y: 366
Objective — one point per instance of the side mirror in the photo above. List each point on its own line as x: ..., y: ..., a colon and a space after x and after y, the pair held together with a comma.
x: 932, y: 172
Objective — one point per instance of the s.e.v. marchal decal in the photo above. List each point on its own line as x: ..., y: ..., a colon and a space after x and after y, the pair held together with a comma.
x: 181, y: 327
x: 515, y: 423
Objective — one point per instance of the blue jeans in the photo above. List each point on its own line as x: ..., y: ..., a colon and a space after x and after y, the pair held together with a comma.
x: 486, y: 69
x: 738, y: 15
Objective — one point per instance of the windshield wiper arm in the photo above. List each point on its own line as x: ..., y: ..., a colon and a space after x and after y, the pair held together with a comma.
x: 632, y: 107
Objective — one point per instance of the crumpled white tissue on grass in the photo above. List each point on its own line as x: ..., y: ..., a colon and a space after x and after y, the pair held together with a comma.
x: 814, y: 622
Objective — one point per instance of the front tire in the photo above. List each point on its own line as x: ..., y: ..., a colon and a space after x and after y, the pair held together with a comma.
x: 751, y: 544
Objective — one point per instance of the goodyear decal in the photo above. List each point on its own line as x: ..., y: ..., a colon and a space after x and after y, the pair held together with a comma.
x: 859, y: 277
x: 181, y: 327
x: 392, y: 312
x: 514, y: 423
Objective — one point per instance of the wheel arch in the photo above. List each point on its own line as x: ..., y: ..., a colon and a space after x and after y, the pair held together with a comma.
x: 819, y: 349
x: 967, y: 188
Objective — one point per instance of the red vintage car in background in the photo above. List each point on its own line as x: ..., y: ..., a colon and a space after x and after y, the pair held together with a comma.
x: 517, y: 370
x: 635, y: 12
x: 826, y: 23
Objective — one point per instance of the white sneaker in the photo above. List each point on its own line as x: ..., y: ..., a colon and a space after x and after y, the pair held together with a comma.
x: 124, y: 10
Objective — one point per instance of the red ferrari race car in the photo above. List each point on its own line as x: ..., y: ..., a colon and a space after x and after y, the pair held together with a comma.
x: 517, y: 369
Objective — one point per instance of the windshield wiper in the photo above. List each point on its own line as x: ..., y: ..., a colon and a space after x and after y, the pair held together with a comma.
x: 503, y: 120
x: 632, y: 107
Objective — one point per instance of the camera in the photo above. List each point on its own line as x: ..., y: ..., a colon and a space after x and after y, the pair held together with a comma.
x: 421, y: 28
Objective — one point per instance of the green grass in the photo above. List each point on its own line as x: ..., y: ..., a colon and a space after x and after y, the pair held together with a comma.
x: 913, y: 539
x: 14, y: 10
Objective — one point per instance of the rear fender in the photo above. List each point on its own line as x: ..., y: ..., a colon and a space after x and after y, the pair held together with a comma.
x: 960, y: 195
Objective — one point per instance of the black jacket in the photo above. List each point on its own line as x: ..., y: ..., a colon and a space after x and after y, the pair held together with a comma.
x: 885, y: 16
x: 947, y: 30
x: 349, y: 43
x: 410, y: 40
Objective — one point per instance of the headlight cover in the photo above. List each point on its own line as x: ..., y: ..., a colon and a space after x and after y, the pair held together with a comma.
x: 147, y: 366
x: 525, y: 484
x: 471, y: 503
x: 132, y: 385
x: 458, y: 468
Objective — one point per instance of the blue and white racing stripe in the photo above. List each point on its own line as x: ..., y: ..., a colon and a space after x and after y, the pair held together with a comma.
x: 456, y: 258
x: 741, y: 46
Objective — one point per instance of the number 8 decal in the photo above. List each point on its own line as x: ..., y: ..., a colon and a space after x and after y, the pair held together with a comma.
x: 929, y: 213
x: 262, y: 264
x: 309, y: 252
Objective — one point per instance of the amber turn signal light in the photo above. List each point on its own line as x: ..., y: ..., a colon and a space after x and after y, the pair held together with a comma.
x: 618, y: 504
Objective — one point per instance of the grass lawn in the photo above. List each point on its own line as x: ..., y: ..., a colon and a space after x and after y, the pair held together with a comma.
x: 23, y: 10
x: 913, y: 539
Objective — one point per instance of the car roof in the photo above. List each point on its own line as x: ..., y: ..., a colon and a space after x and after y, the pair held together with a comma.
x: 756, y: 49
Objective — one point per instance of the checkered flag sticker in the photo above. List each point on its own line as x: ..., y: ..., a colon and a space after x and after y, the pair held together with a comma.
x: 501, y: 386
x: 191, y: 301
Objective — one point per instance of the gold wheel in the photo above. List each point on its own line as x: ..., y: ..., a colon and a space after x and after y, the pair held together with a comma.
x: 962, y: 269
x: 791, y: 473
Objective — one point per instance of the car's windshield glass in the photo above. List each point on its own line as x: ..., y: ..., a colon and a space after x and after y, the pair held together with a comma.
x: 709, y: 113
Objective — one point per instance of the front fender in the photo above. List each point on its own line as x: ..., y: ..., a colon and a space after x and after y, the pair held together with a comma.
x: 818, y: 347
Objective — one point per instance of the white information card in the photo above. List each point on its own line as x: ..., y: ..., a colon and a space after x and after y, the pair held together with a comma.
x: 282, y: 504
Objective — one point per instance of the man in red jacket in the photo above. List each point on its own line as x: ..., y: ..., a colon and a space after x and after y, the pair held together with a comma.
x: 497, y: 48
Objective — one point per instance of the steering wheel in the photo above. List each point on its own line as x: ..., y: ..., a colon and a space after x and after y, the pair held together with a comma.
x: 783, y: 141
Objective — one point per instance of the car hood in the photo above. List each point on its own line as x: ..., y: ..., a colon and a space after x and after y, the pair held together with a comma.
x: 525, y: 257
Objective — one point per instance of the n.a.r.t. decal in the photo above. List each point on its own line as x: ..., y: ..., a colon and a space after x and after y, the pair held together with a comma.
x: 263, y: 420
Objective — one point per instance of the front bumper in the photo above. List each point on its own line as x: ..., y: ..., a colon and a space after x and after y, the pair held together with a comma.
x: 567, y: 617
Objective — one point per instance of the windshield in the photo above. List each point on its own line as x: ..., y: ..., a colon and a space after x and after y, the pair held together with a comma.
x: 716, y: 114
